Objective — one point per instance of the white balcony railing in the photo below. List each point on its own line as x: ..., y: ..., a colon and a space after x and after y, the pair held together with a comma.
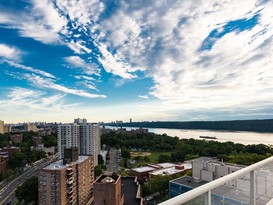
x: 252, y: 172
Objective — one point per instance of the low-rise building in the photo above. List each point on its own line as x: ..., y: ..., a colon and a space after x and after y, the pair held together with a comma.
x: 142, y: 173
x: 10, y: 150
x: 172, y: 171
x: 37, y: 140
x: 17, y: 138
x: 107, y: 190
x: 117, y: 190
x: 146, y: 172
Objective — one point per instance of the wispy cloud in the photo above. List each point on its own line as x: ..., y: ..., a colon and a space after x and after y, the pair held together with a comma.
x: 78, y: 62
x: 48, y: 83
x: 18, y: 98
x: 201, y: 54
x: 27, y: 68
x: 10, y: 52
x: 144, y: 96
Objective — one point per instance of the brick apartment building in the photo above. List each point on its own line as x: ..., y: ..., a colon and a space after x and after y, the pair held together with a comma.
x: 107, y: 190
x: 67, y: 181
x: 17, y: 138
x: 37, y: 141
x: 117, y: 190
x: 3, y: 163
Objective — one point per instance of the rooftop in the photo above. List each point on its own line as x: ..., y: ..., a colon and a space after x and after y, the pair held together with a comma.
x: 171, y: 170
x: 167, y: 165
x: 144, y: 169
x: 58, y: 165
x: 130, y: 191
x: 107, y: 179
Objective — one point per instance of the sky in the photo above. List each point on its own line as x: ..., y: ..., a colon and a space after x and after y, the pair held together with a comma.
x: 154, y: 60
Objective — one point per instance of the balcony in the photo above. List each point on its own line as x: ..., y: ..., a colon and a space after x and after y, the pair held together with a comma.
x: 252, y: 185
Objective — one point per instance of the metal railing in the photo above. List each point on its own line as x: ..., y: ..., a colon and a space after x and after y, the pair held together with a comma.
x: 206, y: 189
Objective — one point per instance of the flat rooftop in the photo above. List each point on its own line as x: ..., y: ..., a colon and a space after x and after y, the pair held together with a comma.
x: 167, y: 165
x: 171, y: 170
x: 129, y: 188
x: 107, y: 179
x: 58, y: 165
x: 143, y: 169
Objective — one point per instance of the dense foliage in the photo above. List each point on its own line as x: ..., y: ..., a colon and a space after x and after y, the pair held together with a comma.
x: 143, y: 141
x: 183, y: 149
x: 236, y: 125
x: 28, y: 191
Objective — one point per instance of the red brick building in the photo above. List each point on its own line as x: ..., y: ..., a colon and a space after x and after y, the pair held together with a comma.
x: 107, y: 190
x: 17, y: 138
x: 67, y: 181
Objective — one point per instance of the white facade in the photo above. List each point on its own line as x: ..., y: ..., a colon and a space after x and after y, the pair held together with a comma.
x: 208, y: 169
x: 68, y: 136
x: 85, y: 136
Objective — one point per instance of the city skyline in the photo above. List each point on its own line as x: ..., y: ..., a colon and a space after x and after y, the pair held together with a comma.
x: 121, y: 60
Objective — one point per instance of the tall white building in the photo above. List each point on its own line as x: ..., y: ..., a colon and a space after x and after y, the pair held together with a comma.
x: 85, y: 136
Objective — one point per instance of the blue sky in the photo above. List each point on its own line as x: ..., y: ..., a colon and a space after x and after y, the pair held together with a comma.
x: 145, y: 60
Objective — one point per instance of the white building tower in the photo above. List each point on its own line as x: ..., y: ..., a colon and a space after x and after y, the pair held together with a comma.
x: 85, y: 136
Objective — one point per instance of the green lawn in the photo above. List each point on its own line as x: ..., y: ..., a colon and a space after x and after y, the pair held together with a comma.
x: 154, y: 155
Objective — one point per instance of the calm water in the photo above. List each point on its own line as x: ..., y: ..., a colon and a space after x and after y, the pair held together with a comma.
x: 222, y: 136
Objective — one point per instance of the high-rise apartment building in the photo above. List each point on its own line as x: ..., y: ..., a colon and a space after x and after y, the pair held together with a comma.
x: 1, y: 127
x: 7, y: 128
x: 67, y: 181
x: 30, y: 127
x: 85, y: 136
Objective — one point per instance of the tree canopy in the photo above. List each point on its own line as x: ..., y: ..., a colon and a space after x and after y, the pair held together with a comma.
x: 28, y: 191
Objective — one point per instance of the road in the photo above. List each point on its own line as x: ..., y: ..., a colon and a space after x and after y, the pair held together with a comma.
x: 8, y: 192
x: 112, y: 164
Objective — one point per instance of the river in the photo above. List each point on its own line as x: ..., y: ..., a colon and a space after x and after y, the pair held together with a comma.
x: 245, y: 138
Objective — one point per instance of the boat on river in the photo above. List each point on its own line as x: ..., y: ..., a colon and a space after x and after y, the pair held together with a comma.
x: 208, y: 137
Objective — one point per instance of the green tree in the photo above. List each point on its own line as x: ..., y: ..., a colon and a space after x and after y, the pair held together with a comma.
x: 28, y: 191
x: 125, y: 153
x: 98, y: 170
x: 8, y: 174
x: 159, y: 183
x: 100, y: 159
x: 50, y: 140
x: 17, y: 160
x: 164, y: 158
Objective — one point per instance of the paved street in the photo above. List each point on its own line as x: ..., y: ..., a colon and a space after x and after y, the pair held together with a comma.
x: 8, y: 192
x: 113, y: 163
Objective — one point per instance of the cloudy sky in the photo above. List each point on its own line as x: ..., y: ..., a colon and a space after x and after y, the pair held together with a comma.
x: 146, y: 60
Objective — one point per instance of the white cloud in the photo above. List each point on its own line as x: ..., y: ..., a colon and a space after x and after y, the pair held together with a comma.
x: 78, y: 62
x: 41, y: 22
x: 10, y: 52
x: 78, y: 47
x: 30, y: 69
x: 144, y: 96
x: 40, y: 82
x: 234, y: 73
x: 163, y: 39
x: 115, y: 64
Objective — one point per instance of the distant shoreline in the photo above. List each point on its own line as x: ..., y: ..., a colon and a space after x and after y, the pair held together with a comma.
x: 260, y: 126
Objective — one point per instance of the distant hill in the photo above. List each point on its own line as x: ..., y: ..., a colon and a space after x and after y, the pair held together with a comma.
x: 235, y: 125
